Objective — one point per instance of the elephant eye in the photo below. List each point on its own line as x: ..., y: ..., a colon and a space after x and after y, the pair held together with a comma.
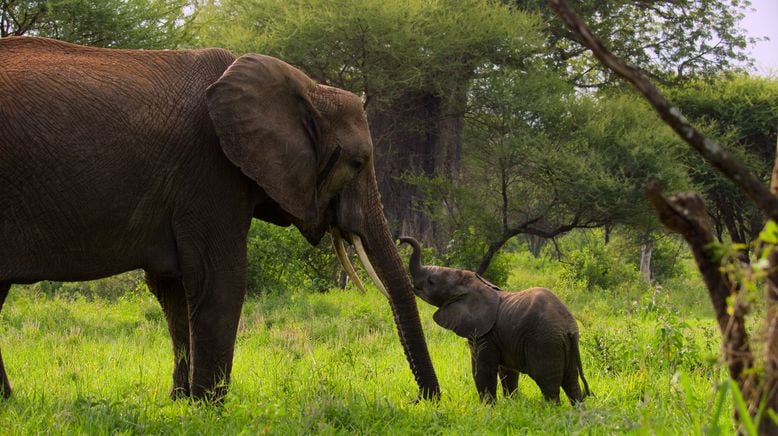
x: 429, y: 280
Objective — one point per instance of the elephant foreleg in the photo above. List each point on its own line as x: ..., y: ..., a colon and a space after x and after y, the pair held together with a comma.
x: 172, y: 298
x: 484, y: 358
x: 215, y: 283
x: 6, y: 387
x: 509, y: 378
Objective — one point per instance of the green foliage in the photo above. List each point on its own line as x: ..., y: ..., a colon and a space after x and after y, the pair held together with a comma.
x: 667, y: 250
x: 109, y: 289
x: 331, y: 363
x: 147, y: 24
x: 743, y: 108
x: 465, y: 250
x: 769, y: 234
x: 280, y: 259
x: 539, y: 158
x: 739, y: 112
x: 379, y: 47
x: 665, y: 259
x: 592, y: 265
x: 671, y: 40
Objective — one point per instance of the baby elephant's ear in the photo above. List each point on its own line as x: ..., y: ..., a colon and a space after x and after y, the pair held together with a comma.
x: 471, y: 315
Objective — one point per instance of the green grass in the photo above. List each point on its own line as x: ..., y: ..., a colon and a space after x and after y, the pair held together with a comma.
x: 331, y: 363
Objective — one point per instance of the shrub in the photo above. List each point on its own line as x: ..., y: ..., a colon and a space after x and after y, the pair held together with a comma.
x: 593, y: 265
x: 109, y: 288
x: 466, y: 249
x: 280, y: 258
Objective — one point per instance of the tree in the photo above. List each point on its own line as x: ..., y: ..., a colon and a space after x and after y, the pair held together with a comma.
x: 670, y: 40
x: 148, y: 24
x: 740, y: 111
x: 541, y: 159
x: 414, y: 61
x: 685, y: 214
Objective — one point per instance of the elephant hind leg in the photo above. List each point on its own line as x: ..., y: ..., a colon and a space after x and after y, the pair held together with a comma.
x: 5, y: 389
x: 172, y: 297
x: 550, y: 393
x: 573, y: 370
x: 570, y: 384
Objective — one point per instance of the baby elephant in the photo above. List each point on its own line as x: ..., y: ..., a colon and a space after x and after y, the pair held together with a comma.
x: 529, y: 332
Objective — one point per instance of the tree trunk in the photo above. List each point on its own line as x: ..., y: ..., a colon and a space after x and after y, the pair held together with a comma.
x: 645, y: 261
x: 419, y: 133
x: 536, y: 244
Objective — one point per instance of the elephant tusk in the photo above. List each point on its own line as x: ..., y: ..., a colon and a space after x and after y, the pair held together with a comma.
x: 340, y: 250
x: 368, y: 266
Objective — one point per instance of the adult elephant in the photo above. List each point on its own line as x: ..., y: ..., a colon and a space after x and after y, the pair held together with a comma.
x: 112, y: 160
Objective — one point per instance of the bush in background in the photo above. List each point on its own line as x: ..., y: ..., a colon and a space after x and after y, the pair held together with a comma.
x: 590, y: 264
x: 280, y: 258
x: 465, y: 250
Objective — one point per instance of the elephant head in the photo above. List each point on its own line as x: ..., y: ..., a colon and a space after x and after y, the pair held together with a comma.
x: 467, y: 302
x: 308, y: 148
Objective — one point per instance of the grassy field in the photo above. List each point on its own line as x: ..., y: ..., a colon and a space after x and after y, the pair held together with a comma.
x: 331, y: 363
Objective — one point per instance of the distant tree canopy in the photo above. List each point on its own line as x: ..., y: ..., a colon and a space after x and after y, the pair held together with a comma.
x: 742, y: 112
x: 145, y: 24
x: 671, y: 40
x: 414, y: 61
x: 541, y: 159
x: 489, y: 120
x: 481, y: 127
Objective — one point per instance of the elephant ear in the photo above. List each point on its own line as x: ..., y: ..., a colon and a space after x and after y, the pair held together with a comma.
x: 470, y: 315
x: 267, y: 127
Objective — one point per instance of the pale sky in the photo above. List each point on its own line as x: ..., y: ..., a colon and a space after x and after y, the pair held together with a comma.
x: 763, y: 21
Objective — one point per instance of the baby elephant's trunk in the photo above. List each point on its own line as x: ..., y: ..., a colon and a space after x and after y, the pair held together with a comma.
x: 414, y: 265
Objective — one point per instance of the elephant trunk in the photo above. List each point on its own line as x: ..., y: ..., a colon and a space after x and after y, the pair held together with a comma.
x: 383, y: 254
x: 414, y: 265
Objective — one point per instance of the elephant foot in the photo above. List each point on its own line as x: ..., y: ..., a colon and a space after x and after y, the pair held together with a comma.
x: 213, y: 396
x: 181, y: 385
x: 179, y: 392
x: 428, y: 395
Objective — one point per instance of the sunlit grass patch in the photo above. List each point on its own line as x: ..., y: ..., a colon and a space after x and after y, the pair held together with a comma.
x: 332, y: 363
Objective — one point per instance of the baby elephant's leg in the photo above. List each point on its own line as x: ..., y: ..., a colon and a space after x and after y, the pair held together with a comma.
x: 509, y: 378
x: 550, y: 394
x: 546, y: 366
x: 485, y: 358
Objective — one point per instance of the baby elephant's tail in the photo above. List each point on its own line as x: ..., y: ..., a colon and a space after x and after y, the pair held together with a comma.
x: 577, y: 355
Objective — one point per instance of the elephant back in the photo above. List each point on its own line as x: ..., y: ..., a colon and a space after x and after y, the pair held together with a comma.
x: 532, y: 310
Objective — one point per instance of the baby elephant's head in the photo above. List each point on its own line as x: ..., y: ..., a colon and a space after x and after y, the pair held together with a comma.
x: 468, y: 303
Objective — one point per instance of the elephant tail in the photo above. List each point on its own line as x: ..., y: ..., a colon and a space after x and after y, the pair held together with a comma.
x: 577, y: 356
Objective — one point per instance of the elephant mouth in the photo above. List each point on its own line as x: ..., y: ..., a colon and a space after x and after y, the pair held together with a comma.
x: 338, y: 239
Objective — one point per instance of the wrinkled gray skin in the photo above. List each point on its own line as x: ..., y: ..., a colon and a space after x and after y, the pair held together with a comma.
x: 530, y: 332
x: 113, y: 160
